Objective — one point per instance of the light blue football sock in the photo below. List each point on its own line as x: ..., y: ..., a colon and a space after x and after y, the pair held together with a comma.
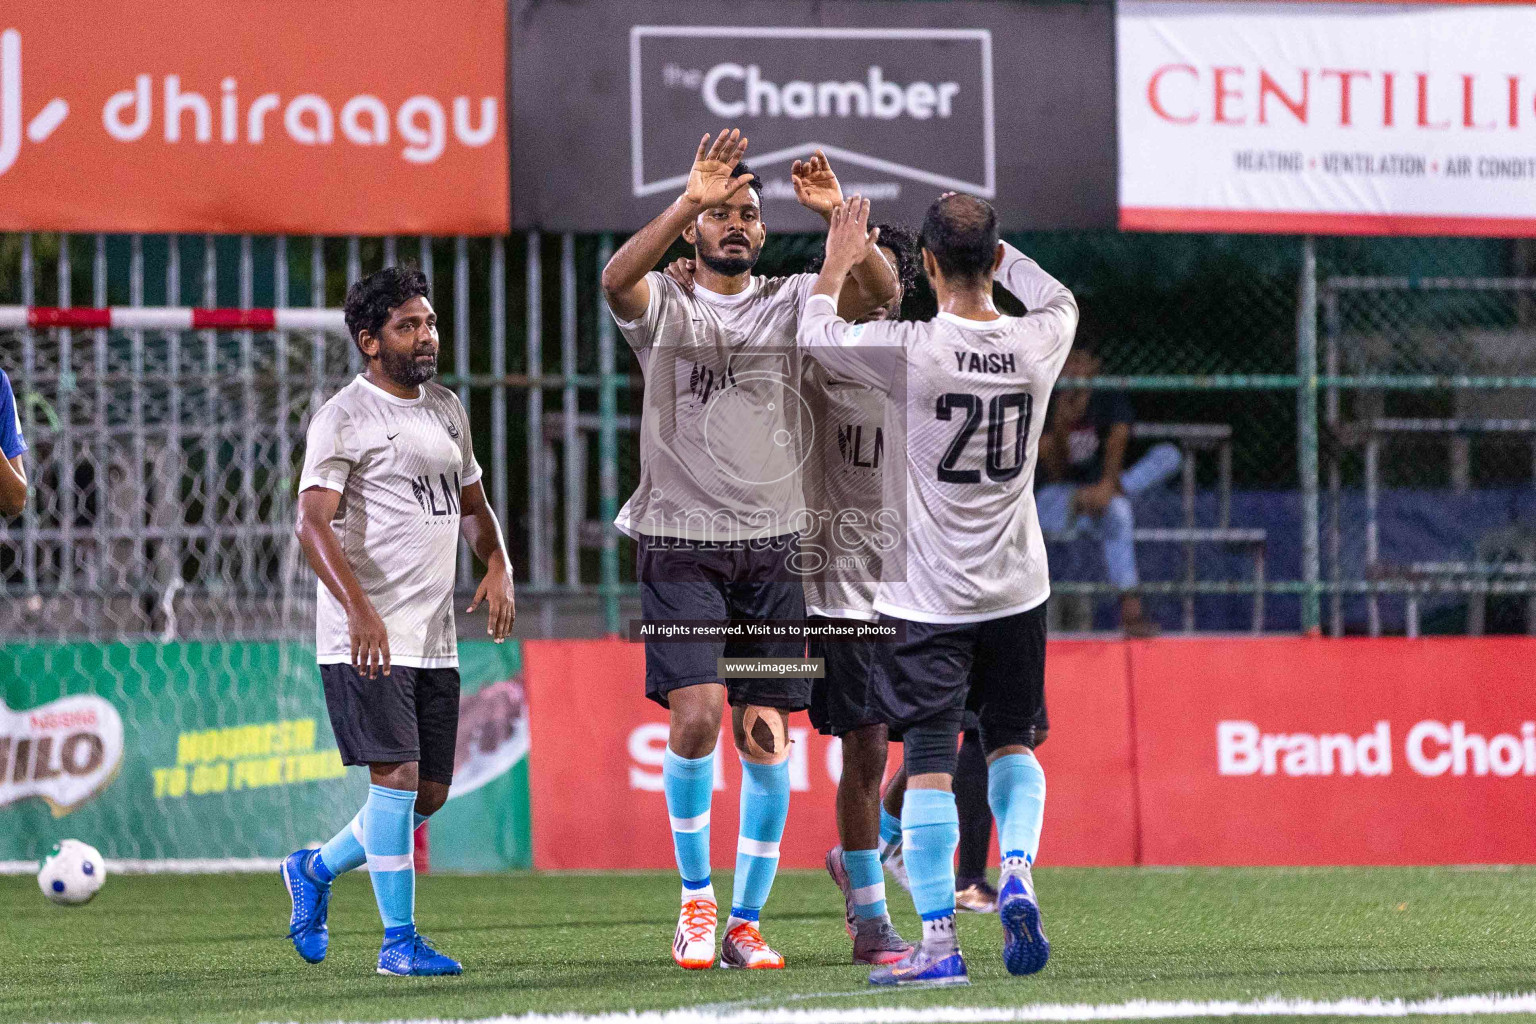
x: 344, y: 852
x: 387, y: 838
x: 867, y: 881
x: 1016, y: 791
x: 688, y: 783
x: 890, y: 826
x: 764, y: 806
x: 930, y: 833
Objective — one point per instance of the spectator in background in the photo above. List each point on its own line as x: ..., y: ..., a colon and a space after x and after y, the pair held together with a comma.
x: 1083, y: 484
x: 13, y: 475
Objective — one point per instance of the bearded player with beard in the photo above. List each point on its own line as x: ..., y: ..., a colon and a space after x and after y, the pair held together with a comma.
x: 390, y: 483
x: 718, y: 508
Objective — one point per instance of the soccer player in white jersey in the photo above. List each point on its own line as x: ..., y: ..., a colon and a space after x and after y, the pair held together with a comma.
x: 968, y: 392
x: 390, y: 483
x: 842, y: 539
x: 717, y: 508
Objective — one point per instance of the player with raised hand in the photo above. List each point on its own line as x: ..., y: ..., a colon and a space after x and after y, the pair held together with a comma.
x: 842, y: 483
x: 390, y: 483
x: 968, y: 392
x: 716, y: 512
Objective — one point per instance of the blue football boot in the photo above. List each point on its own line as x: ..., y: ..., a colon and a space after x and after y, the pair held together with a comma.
x: 409, y: 956
x: 923, y: 970
x: 311, y: 902
x: 1025, y: 948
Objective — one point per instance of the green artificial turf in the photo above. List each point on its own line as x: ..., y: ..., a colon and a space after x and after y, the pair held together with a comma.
x: 214, y: 948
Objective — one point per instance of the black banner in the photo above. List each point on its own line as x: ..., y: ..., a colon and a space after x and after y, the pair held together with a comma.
x: 1010, y: 101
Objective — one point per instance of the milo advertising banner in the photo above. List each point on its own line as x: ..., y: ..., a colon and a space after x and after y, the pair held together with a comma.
x: 178, y: 754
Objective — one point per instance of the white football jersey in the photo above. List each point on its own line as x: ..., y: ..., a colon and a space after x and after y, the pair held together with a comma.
x: 966, y: 406
x: 399, y: 465
x: 721, y: 420
x: 847, y: 528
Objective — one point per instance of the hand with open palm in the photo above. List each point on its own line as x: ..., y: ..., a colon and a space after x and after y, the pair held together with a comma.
x: 815, y: 185
x: 709, y: 182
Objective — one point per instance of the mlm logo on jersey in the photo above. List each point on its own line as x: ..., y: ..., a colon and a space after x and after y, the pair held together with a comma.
x: 43, y: 122
x: 886, y: 105
x: 64, y: 752
x: 855, y: 451
x: 441, y: 500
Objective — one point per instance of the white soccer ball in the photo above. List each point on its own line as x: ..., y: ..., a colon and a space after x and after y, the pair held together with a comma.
x: 72, y: 873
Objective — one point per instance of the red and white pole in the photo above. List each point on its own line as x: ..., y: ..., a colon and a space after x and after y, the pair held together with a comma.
x: 173, y: 318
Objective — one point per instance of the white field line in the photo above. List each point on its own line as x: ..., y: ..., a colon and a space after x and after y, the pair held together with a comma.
x: 189, y: 866
x: 1140, y: 1009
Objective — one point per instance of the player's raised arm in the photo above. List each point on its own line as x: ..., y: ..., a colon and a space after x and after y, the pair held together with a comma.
x: 872, y: 281
x: 1041, y: 293
x: 849, y: 239
x: 709, y: 185
x: 477, y: 522
x: 867, y: 353
x: 370, y: 640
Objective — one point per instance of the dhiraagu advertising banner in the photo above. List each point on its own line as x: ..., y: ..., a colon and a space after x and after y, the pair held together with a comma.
x: 190, y: 752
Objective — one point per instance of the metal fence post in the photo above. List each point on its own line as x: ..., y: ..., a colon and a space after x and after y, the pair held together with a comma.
x: 28, y: 389
x: 499, y: 389
x: 1306, y: 434
x: 138, y: 446
x: 461, y: 364
x: 63, y: 402
x: 537, y: 571
x: 607, y: 447
x: 571, y: 439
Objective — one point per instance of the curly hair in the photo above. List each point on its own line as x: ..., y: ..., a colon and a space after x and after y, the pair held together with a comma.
x: 900, y: 240
x: 370, y: 300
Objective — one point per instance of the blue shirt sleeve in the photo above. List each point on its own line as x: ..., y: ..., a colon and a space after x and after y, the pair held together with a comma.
x: 11, y: 442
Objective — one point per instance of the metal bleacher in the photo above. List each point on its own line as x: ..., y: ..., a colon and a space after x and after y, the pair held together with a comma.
x: 1194, y: 439
x: 1502, y: 563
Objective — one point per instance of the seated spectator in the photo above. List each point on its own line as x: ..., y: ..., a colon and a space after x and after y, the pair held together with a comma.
x: 1081, y: 483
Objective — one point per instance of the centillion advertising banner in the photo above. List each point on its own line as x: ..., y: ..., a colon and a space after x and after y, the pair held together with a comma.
x: 376, y: 117
x: 1341, y: 118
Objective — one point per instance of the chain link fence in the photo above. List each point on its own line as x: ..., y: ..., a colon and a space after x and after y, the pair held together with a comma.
x: 1429, y: 410
x: 164, y: 463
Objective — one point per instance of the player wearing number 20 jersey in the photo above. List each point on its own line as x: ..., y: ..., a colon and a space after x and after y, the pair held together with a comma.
x: 966, y: 398
x: 973, y: 399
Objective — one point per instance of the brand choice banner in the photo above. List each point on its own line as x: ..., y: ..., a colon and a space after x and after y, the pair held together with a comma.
x: 1211, y: 751
x: 1009, y: 102
x: 1289, y: 751
x: 300, y: 118
x: 1343, y: 118
x: 613, y: 814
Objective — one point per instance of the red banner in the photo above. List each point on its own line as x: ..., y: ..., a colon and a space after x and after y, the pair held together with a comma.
x: 597, y: 744
x: 383, y: 117
x: 1292, y: 751
x: 1270, y: 751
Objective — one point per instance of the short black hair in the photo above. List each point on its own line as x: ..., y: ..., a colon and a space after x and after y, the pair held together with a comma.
x: 900, y: 240
x: 961, y: 232
x: 756, y: 184
x: 370, y: 299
